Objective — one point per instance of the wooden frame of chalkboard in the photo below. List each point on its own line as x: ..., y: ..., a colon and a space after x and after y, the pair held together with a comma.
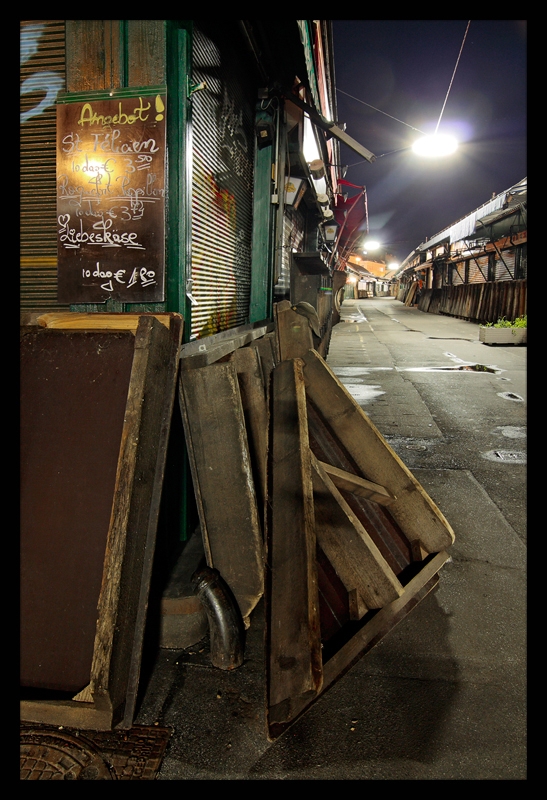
x: 111, y: 194
x: 97, y: 398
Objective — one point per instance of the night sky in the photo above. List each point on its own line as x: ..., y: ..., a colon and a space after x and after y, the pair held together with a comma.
x: 404, y: 69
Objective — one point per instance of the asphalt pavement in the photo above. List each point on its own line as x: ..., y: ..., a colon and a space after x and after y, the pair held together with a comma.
x: 443, y: 695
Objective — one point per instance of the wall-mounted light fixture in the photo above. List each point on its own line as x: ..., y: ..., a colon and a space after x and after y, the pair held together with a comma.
x: 330, y: 230
x: 293, y: 187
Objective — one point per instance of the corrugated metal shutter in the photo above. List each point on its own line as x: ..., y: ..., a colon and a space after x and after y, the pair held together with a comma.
x: 223, y: 156
x: 42, y: 77
x: 478, y: 269
x: 293, y: 237
x: 458, y: 273
x: 505, y: 266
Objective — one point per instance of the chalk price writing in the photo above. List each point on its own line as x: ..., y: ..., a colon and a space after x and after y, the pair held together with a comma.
x: 142, y: 276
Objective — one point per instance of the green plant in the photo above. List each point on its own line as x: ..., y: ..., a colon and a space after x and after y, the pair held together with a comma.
x: 519, y: 322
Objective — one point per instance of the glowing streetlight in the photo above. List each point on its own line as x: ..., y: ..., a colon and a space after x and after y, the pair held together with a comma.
x: 371, y: 244
x: 435, y: 146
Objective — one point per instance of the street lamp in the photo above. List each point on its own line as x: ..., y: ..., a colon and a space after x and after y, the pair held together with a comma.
x: 371, y: 244
x: 436, y: 145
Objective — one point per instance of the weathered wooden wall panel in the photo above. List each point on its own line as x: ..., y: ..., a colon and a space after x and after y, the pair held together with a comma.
x: 110, y: 53
x: 146, y: 55
x: 484, y: 302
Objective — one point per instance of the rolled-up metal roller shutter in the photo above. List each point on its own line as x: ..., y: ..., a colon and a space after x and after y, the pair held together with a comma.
x: 505, y: 265
x: 293, y: 238
x: 478, y: 269
x: 222, y: 185
x: 42, y: 78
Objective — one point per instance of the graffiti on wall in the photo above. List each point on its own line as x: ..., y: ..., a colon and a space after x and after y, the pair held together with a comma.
x: 44, y: 82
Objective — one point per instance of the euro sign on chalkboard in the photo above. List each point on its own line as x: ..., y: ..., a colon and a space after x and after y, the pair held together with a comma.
x: 111, y: 197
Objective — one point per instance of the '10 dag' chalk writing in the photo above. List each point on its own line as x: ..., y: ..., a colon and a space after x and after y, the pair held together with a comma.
x: 146, y: 277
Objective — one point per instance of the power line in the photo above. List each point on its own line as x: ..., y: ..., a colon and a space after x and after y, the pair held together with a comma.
x: 453, y: 74
x: 380, y: 110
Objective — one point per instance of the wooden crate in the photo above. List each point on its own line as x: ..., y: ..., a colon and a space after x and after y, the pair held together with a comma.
x: 353, y: 540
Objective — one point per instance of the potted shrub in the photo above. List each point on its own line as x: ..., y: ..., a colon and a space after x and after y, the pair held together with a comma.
x: 504, y: 332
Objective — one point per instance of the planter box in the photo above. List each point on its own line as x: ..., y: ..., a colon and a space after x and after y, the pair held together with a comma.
x: 503, y: 335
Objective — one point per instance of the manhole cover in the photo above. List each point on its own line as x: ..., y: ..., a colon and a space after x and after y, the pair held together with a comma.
x: 506, y: 456
x: 48, y: 753
x: 51, y: 756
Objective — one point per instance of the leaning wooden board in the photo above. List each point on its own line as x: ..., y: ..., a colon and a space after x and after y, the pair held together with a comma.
x: 294, y: 645
x: 97, y: 394
x: 224, y: 483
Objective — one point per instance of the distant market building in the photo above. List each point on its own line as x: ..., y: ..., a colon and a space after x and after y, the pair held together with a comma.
x: 476, y: 268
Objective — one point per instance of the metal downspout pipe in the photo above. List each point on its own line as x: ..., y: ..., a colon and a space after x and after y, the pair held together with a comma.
x: 226, y: 627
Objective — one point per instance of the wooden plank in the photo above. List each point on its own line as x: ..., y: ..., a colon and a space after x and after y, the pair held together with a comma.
x: 96, y: 321
x: 255, y: 410
x: 220, y: 463
x: 123, y: 600
x: 413, y: 509
x: 267, y: 350
x: 356, y: 485
x: 295, y: 671
x: 386, y: 533
x: 294, y: 334
x: 204, y: 352
x: 349, y: 548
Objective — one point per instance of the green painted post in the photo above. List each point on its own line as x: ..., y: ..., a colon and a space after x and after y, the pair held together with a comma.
x: 261, y: 303
x: 178, y: 226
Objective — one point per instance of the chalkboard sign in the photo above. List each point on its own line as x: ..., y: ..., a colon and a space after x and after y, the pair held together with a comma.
x: 111, y: 199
